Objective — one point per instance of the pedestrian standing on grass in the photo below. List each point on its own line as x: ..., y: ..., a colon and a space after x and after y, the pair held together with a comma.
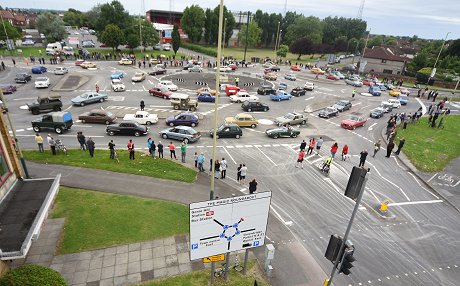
x: 183, y: 150
x: 223, y: 168
x: 252, y: 186
x: 39, y: 141
x: 334, y: 149
x: 153, y: 149
x: 319, y: 143
x: 82, y: 140
x: 131, y: 149
x: 91, y: 146
x: 390, y: 147
x: 172, y: 150
x: 160, y: 150
x: 300, y: 159
x: 52, y: 144
x: 344, y: 152
x: 400, y: 145
x: 112, y: 149
x: 149, y: 145
x: 362, y: 158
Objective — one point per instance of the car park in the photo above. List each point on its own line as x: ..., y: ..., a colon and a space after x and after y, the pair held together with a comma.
x: 206, y: 89
x: 265, y: 89
x: 185, y: 118
x: 39, y: 69
x: 243, y: 96
x: 157, y: 71
x: 183, y: 101
x: 243, y: 120
x: 254, y: 106
x: 125, y: 62
x: 22, y: 77
x: 142, y: 117
x: 60, y: 71
x: 377, y: 112
x: 290, y: 76
x: 374, y: 90
x: 97, y: 116
x: 291, y: 118
x: 160, y: 92
x: 57, y: 121
x: 88, y: 98
x: 129, y: 128
x: 328, y: 112
x: 168, y: 84
x: 395, y: 102
x: 354, y: 82
x: 42, y: 82
x: 403, y: 99
x: 343, y: 105
x: 182, y: 133
x: 282, y: 132
x: 138, y: 77
x: 117, y: 74
x: 353, y: 122
x: 280, y: 95
x: 45, y: 103
x: 195, y: 68
x: 295, y: 68
x: 206, y: 97
x: 298, y: 91
x: 227, y: 130
x: 309, y: 86
x: 117, y: 85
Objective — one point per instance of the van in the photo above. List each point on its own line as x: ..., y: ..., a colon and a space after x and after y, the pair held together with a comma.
x: 167, y: 47
x: 53, y: 48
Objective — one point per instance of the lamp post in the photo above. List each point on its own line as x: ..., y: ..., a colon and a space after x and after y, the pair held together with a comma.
x: 276, y: 39
x: 433, y: 72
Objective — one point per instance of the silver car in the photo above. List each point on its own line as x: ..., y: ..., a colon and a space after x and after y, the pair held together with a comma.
x: 195, y: 69
x: 181, y: 133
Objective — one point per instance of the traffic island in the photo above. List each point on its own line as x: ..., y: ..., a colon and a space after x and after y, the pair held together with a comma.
x: 70, y: 82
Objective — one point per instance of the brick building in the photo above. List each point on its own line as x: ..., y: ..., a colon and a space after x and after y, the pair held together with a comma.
x: 384, y: 60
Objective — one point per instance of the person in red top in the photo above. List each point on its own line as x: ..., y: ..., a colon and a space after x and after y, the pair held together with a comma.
x: 131, y: 149
x: 311, y: 146
x: 344, y: 152
x: 334, y: 149
x: 172, y: 150
x: 300, y: 159
x: 97, y: 88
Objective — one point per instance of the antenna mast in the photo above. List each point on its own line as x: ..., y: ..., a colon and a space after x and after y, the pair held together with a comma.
x: 360, y: 10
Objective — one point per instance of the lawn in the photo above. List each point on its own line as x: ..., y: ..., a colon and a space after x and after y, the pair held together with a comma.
x: 97, y: 220
x: 431, y: 149
x: 143, y: 165
x: 200, y: 278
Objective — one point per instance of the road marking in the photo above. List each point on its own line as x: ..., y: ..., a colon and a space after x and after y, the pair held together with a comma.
x: 378, y: 172
x: 311, y: 97
x: 266, y: 156
x: 317, y: 160
x: 144, y: 88
x: 93, y: 136
x: 19, y: 130
x: 68, y: 108
x: 373, y: 194
x: 371, y: 127
x: 358, y: 103
x: 432, y: 177
x: 24, y: 98
x: 422, y: 105
x: 415, y: 203
x: 225, y: 149
x: 422, y: 186
x: 288, y: 223
x: 364, y: 106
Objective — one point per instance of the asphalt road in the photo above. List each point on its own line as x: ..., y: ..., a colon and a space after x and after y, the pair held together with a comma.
x: 416, y: 243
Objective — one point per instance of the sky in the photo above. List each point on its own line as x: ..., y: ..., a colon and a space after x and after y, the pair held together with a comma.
x: 425, y: 18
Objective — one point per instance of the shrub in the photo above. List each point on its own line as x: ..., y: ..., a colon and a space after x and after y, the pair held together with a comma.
x: 200, y: 49
x: 32, y: 275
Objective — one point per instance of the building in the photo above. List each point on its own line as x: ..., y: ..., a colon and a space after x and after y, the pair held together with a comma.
x: 16, y: 18
x: 384, y: 60
x: 163, y: 22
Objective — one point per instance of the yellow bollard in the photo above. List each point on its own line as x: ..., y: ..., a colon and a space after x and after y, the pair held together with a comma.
x: 326, y: 282
x: 384, y: 206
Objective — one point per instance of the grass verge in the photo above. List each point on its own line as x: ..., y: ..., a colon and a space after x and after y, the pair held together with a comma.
x: 143, y: 165
x: 431, y: 149
x: 200, y: 278
x: 96, y: 220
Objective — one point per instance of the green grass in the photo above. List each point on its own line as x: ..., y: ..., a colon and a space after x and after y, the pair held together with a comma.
x: 96, y: 220
x: 238, y: 53
x: 200, y: 278
x: 431, y: 149
x: 143, y: 165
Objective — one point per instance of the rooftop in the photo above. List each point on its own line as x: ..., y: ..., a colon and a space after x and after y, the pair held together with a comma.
x: 383, y: 53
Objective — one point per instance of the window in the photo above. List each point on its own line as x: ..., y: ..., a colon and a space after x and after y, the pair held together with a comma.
x: 4, y: 168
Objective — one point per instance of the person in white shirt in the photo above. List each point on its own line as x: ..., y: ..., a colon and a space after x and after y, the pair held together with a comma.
x: 244, y: 171
x: 223, y: 168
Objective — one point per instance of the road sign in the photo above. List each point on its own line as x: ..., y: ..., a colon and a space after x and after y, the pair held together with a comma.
x: 227, y: 225
x: 433, y: 72
x: 214, y: 258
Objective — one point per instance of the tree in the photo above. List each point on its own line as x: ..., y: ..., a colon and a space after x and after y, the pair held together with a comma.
x: 282, y: 51
x: 229, y: 23
x: 52, y: 26
x: 340, y: 45
x: 74, y: 18
x: 112, y: 36
x: 92, y: 16
x: 302, y: 46
x: 132, y: 37
x: 11, y: 31
x: 287, y: 21
x: 309, y: 27
x: 113, y: 13
x: 454, y: 48
x: 192, y: 22
x: 254, y: 33
x: 208, y: 22
x: 375, y: 41
x: 150, y: 36
x: 175, y: 39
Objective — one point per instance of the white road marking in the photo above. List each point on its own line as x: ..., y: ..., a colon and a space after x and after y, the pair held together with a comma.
x: 364, y: 106
x: 24, y: 98
x: 400, y: 189
x: 415, y: 203
x: 413, y: 176
x: 373, y: 194
x: 225, y: 149
x: 422, y: 105
x: 432, y: 177
x: 317, y: 160
x: 358, y: 103
x: 150, y: 82
x: 371, y: 127
x: 19, y: 130
x: 266, y: 156
x: 288, y: 223
x: 311, y: 97
x: 68, y: 108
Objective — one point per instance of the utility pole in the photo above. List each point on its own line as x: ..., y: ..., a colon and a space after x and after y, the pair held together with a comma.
x: 276, y: 40
x: 247, y: 33
x: 433, y: 72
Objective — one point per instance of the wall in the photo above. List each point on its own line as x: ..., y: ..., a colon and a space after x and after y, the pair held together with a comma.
x: 378, y: 66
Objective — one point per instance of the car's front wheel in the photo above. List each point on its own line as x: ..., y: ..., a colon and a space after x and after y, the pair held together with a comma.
x: 101, y: 100
x: 294, y: 135
x: 186, y: 141
x: 305, y: 122
x: 36, y: 128
x: 107, y: 122
x: 111, y: 133
x: 249, y: 109
x: 58, y: 130
x: 275, y: 136
x: 137, y: 133
x: 193, y: 124
x: 82, y: 104
x: 165, y: 136
x: 237, y: 136
x: 148, y: 122
x: 253, y: 126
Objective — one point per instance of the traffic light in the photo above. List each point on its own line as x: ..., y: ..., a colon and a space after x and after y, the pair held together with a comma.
x: 333, y: 248
x: 356, y: 183
x: 347, y: 260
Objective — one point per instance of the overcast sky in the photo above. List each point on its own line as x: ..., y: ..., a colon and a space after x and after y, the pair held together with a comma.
x: 424, y: 18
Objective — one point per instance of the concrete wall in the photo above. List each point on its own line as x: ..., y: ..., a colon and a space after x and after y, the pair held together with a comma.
x: 377, y: 66
x: 5, y: 144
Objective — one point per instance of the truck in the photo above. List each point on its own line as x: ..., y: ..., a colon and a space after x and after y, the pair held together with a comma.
x: 52, y: 48
x: 183, y: 101
x: 45, y: 103
x: 142, y: 117
x: 59, y: 121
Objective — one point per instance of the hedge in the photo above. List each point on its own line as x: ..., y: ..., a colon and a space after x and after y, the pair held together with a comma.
x: 200, y: 49
x: 32, y: 275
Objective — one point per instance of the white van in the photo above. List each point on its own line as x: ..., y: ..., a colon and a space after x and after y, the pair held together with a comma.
x: 53, y: 47
x: 167, y: 47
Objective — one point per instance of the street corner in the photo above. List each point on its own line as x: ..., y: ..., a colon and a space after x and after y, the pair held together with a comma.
x: 70, y: 82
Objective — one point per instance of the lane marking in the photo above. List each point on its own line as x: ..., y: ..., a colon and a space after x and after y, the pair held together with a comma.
x: 415, y: 203
x: 266, y: 156
x: 432, y: 177
x: 225, y: 149
x: 371, y: 127
x: 309, y: 98
x: 413, y: 176
x: 25, y: 98
x: 288, y: 223
x: 358, y: 103
x: 378, y: 172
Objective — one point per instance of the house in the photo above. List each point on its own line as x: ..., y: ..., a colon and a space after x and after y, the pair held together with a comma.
x: 383, y: 60
x: 7, y: 16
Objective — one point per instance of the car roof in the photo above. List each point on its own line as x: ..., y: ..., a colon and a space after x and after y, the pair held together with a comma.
x: 183, y: 127
x: 244, y: 115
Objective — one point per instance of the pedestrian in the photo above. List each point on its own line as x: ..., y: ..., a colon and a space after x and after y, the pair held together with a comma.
x: 344, y: 152
x: 3, y: 65
x: 362, y: 158
x: 51, y: 143
x: 91, y: 146
x: 144, y: 63
x: 200, y: 161
x: 311, y: 146
x: 353, y: 93
x: 237, y: 80
x: 131, y: 149
x: 142, y: 105
x: 390, y: 147
x: 317, y: 76
x: 300, y: 159
x: 39, y: 141
x: 319, y: 143
x: 210, y: 166
x: 406, y: 121
x: 376, y: 147
x: 153, y: 149
x: 334, y: 149
x: 14, y: 64
x: 303, y: 145
x: 195, y: 158
x: 216, y: 169
x: 223, y: 168
x: 160, y: 150
x: 244, y: 171
x: 172, y: 150
x: 252, y: 186
x: 82, y: 140
x: 112, y: 149
x: 139, y: 63
x: 183, y: 150
x: 400, y: 145
x: 97, y: 88
x: 238, y: 173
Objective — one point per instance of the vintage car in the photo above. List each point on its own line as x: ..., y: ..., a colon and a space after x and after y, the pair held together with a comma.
x: 142, y: 117
x: 38, y: 69
x: 282, y: 132
x: 181, y: 133
x: 157, y: 71
x: 97, y: 116
x: 127, y: 128
x: 280, y: 95
x: 89, y: 97
x: 291, y: 118
x: 138, y: 77
x: 377, y: 112
x: 353, y: 122
x: 328, y: 112
x: 342, y: 105
x: 206, y: 89
x: 317, y: 71
x: 42, y: 82
x: 243, y: 120
x: 374, y: 90
x: 185, y: 118
x: 290, y: 76
x: 295, y: 68
x: 117, y: 85
x: 168, y: 84
x: 265, y: 89
x: 117, y: 74
x: 243, y: 96
x: 227, y: 130
x: 254, y: 106
x: 298, y: 91
x: 59, y: 121
x: 206, y: 97
x: 160, y: 92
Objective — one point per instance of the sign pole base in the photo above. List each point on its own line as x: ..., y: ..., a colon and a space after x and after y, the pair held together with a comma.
x: 245, y: 266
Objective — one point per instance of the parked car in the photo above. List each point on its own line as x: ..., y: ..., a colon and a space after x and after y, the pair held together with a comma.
x: 227, y: 130
x: 243, y: 120
x: 254, y: 106
x: 117, y: 85
x: 355, y: 82
x: 374, y: 90
x: 125, y: 62
x: 343, y: 105
x: 117, y: 74
x: 60, y: 71
x: 157, y: 71
x: 195, y: 68
x: 206, y: 89
x: 160, y: 92
x: 45, y: 103
x: 185, y: 118
x: 265, y: 89
x: 404, y: 99
x: 328, y: 112
x: 353, y: 122
x: 58, y: 121
x: 395, y: 102
x: 38, y: 69
x: 282, y: 132
x: 88, y: 44
x: 138, y: 77
x: 206, y: 97
x: 168, y: 84
x: 88, y: 98
x: 377, y: 112
x: 309, y: 86
x: 142, y: 117
x: 280, y: 95
x: 22, y: 77
x: 8, y: 88
x: 298, y: 91
x: 182, y: 133
x: 42, y: 82
x: 243, y: 96
x: 97, y: 116
x: 291, y: 118
x: 290, y: 76
x: 295, y: 68
x: 130, y: 128
x: 28, y: 43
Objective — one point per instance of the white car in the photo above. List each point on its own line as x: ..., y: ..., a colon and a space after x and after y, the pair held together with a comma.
x: 157, y: 47
x: 117, y: 85
x: 60, y: 70
x: 167, y: 47
x: 243, y: 96
x: 224, y: 68
x: 125, y: 62
x: 142, y: 117
x: 396, y: 103
x: 42, y: 82
x: 168, y: 84
x: 309, y: 86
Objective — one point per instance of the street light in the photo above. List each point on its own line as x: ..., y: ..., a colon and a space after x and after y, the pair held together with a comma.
x: 433, y: 72
x: 276, y: 39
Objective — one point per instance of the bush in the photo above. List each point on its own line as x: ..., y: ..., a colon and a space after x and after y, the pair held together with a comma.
x: 200, y: 49
x: 32, y: 275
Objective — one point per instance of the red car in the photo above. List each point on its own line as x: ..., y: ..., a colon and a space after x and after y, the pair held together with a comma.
x: 233, y: 67
x: 353, y: 122
x: 332, y: 77
x: 368, y: 82
x: 160, y: 92
x: 79, y: 62
x: 232, y: 90
x: 295, y: 68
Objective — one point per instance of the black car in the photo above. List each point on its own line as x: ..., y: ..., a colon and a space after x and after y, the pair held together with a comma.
x: 274, y: 68
x: 22, y: 77
x: 227, y: 130
x: 298, y: 91
x: 328, y: 112
x: 254, y: 106
x: 157, y: 70
x: 265, y: 89
x: 377, y: 112
x: 127, y: 128
x: 342, y: 105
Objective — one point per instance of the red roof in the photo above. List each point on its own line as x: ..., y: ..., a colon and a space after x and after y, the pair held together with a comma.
x: 382, y: 53
x: 20, y: 18
x: 6, y: 14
